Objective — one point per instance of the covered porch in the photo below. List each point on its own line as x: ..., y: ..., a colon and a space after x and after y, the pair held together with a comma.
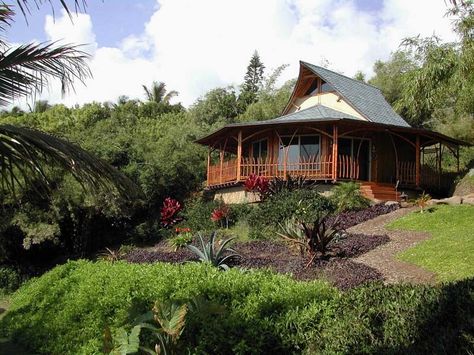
x: 330, y: 151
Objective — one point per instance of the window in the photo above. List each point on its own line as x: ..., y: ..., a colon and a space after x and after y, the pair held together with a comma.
x: 313, y: 89
x: 325, y: 87
x: 260, y: 148
x: 301, y: 149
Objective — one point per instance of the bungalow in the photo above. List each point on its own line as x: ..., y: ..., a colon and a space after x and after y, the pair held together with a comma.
x: 333, y: 128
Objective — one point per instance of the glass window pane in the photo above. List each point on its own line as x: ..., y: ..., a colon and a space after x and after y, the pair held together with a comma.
x: 313, y: 88
x: 309, y: 147
x: 325, y: 87
x: 263, y: 148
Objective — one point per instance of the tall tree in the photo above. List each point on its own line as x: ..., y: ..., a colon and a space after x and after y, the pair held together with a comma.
x: 157, y: 93
x: 24, y: 71
x: 252, y: 81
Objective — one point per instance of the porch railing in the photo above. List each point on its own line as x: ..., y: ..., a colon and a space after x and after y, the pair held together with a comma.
x: 406, y: 171
x: 319, y: 167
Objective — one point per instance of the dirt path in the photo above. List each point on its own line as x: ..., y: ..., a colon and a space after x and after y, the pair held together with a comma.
x: 384, y: 259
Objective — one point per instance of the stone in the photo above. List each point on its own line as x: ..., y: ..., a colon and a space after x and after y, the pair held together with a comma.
x: 455, y: 200
x: 468, y: 200
x: 390, y: 203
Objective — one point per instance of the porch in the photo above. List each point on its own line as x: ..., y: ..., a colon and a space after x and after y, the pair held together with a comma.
x: 339, y: 151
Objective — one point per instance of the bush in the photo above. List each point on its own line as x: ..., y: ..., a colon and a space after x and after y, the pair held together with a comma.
x: 67, y: 309
x: 347, y: 196
x: 400, y: 319
x: 10, y: 279
x: 305, y: 204
x: 197, y: 214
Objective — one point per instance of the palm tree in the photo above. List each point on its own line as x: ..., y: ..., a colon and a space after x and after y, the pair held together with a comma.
x: 157, y: 93
x: 24, y: 71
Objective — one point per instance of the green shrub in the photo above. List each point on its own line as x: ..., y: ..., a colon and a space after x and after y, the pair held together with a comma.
x: 400, y: 319
x: 305, y: 204
x: 66, y: 310
x: 347, y: 196
x: 197, y: 214
x: 10, y: 279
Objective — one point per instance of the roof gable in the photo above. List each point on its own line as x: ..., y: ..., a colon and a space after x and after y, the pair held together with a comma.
x: 366, y: 99
x: 317, y: 112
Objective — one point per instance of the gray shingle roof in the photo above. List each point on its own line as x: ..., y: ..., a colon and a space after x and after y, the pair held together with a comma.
x: 317, y: 112
x: 365, y: 98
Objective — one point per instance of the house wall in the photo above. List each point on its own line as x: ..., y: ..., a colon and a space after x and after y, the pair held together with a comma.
x: 328, y: 99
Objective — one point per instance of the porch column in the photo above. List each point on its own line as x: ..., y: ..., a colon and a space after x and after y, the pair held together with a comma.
x: 221, y: 155
x: 208, y: 164
x: 439, y: 164
x: 334, y: 152
x: 417, y: 162
x: 457, y: 159
x: 239, y: 154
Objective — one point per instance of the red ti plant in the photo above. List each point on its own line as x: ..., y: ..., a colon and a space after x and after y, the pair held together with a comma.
x: 257, y: 183
x: 221, y: 214
x: 169, y: 212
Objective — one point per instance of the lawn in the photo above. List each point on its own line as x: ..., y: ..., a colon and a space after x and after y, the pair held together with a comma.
x: 449, y: 252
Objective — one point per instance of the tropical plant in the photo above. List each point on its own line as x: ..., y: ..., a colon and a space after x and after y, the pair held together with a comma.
x: 24, y: 71
x: 214, y: 252
x: 157, y: 93
x: 318, y: 235
x: 121, y: 342
x: 221, y: 215
x: 347, y: 196
x: 422, y: 201
x: 181, y: 240
x: 256, y: 183
x: 169, y: 212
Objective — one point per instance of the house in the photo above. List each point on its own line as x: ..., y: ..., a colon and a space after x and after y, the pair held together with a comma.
x: 333, y: 129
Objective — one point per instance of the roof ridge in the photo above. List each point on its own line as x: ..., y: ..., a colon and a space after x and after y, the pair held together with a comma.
x: 347, y: 77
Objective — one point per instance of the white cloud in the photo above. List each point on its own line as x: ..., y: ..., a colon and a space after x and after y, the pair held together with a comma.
x: 194, y: 46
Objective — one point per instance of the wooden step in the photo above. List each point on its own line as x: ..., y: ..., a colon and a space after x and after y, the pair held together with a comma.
x: 379, y: 191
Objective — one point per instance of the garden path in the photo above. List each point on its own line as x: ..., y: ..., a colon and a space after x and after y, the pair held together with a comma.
x: 383, y: 258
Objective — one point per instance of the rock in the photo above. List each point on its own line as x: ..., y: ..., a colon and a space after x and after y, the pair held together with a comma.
x: 390, y: 203
x: 455, y: 200
x: 433, y: 202
x: 468, y: 200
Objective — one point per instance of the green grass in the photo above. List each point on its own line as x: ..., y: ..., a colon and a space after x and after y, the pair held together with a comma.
x: 449, y: 253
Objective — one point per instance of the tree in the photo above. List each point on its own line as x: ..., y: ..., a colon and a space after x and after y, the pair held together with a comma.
x: 252, y: 80
x: 360, y: 76
x: 157, y: 93
x: 24, y: 71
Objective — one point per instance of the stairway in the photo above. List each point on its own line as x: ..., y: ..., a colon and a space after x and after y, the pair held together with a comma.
x: 379, y: 191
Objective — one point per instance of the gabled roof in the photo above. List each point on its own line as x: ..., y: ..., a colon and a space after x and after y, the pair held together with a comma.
x: 314, y: 113
x: 366, y: 99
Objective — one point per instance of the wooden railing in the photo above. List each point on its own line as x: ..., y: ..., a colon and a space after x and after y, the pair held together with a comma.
x: 348, y: 168
x: 406, y: 172
x: 317, y: 167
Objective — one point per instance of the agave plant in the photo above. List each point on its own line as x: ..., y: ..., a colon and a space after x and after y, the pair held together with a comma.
x: 214, y: 251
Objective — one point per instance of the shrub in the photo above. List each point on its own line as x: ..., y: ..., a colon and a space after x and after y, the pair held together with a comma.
x: 10, y: 279
x: 347, y: 196
x: 66, y: 310
x: 302, y: 203
x: 169, y: 212
x: 197, y: 212
x: 181, y: 240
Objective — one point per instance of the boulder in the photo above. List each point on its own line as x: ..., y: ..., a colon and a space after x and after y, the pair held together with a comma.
x: 390, y: 203
x: 468, y: 199
x: 455, y: 200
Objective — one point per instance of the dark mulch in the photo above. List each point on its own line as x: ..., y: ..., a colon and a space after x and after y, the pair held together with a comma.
x: 280, y: 257
x: 351, y: 218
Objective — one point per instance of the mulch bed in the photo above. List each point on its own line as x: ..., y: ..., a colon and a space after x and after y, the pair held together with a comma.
x: 280, y: 257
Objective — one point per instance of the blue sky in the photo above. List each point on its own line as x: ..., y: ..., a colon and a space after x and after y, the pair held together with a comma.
x: 196, y: 45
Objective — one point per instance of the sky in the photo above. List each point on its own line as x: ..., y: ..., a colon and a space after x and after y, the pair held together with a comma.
x: 196, y: 45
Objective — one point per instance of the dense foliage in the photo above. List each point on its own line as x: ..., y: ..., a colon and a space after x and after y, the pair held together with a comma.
x: 59, y: 313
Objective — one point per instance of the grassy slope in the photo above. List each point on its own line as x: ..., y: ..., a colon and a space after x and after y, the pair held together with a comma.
x: 450, y: 251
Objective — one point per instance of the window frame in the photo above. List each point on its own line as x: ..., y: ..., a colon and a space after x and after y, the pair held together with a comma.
x: 281, y: 147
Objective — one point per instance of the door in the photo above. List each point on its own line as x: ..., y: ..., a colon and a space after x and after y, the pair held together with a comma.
x: 359, y: 151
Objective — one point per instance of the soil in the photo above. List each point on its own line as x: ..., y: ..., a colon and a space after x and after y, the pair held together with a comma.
x: 337, y: 266
x: 384, y: 259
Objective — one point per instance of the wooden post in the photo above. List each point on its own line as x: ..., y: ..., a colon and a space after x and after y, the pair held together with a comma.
x: 239, y: 154
x: 457, y: 159
x: 222, y: 164
x: 208, y: 165
x: 439, y: 164
x: 334, y: 152
x: 417, y: 162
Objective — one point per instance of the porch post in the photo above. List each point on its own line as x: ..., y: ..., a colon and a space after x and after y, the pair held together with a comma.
x: 457, y: 159
x: 417, y: 161
x: 439, y: 164
x: 334, y: 152
x: 208, y: 164
x: 239, y: 154
x: 221, y: 154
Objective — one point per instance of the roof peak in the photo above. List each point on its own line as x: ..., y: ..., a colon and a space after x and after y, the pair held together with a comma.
x: 334, y: 72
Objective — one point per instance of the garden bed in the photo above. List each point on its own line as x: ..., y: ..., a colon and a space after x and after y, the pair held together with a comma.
x: 337, y: 266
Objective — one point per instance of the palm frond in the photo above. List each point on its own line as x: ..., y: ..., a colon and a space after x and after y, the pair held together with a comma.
x: 24, y: 152
x: 28, y: 68
x: 25, y: 6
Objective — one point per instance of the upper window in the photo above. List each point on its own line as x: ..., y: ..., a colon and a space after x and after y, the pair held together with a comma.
x: 313, y: 89
x: 325, y: 87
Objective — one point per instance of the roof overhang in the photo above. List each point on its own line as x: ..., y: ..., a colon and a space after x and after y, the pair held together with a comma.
x: 211, y: 139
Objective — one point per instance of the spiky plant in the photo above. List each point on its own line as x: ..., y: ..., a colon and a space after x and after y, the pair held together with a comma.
x: 422, y: 201
x: 214, y: 252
